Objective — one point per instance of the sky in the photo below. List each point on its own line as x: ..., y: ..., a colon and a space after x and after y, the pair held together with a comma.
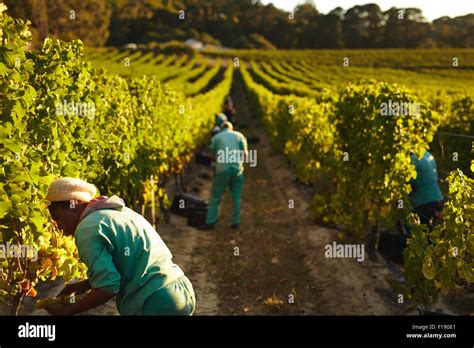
x: 431, y: 9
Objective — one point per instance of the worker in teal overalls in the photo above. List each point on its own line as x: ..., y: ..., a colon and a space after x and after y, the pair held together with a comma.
x: 125, y: 256
x: 230, y: 149
x: 427, y: 201
x: 426, y: 196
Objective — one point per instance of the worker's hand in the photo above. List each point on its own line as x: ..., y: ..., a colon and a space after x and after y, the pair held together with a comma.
x: 57, y: 309
x: 76, y: 288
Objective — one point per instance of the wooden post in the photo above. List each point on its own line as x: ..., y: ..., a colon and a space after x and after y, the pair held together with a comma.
x: 176, y: 184
x: 370, y: 237
x: 161, y: 202
x: 183, y: 183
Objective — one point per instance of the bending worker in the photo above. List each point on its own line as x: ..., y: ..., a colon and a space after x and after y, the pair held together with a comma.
x: 230, y: 150
x: 426, y: 196
x: 220, y: 118
x: 124, y: 254
x: 229, y: 110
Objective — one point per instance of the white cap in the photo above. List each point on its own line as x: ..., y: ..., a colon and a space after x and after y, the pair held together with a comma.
x: 65, y: 189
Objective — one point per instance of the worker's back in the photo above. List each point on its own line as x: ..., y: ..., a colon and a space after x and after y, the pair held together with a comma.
x: 125, y: 254
x: 226, y: 143
x: 425, y: 186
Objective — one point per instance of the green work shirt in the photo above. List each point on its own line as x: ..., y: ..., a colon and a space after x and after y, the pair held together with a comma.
x: 124, y: 255
x: 229, y: 146
x: 425, y: 188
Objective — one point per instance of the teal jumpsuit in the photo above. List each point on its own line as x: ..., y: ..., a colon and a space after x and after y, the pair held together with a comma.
x: 426, y: 195
x: 229, y: 172
x: 425, y: 186
x: 125, y: 255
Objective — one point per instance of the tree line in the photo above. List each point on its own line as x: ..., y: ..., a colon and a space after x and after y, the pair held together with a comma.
x: 240, y: 24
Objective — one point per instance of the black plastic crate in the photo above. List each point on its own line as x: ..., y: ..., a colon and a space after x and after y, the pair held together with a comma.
x: 197, y: 216
x: 253, y: 140
x: 183, y: 202
x: 391, y: 246
x: 203, y: 159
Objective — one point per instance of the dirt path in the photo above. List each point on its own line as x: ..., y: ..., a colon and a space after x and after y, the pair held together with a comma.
x: 191, y: 248
x: 275, y: 263
x: 189, y: 251
x: 347, y: 287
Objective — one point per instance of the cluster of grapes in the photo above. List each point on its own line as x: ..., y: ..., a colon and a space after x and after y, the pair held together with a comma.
x: 64, y: 300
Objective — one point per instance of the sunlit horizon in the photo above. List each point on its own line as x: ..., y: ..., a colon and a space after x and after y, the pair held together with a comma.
x: 431, y: 10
